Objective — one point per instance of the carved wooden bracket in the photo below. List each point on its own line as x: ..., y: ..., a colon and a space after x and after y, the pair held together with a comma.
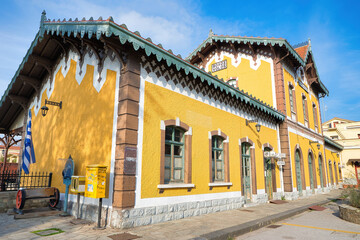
x: 78, y: 49
x: 234, y: 49
x: 253, y: 51
x: 200, y: 55
x: 34, y: 82
x: 272, y: 51
x: 44, y: 62
x: 218, y: 52
x: 22, y: 101
x: 308, y: 65
x: 287, y: 54
x: 113, y: 48
x: 312, y: 80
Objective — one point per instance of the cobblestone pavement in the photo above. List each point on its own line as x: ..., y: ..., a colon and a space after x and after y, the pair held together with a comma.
x: 180, y: 229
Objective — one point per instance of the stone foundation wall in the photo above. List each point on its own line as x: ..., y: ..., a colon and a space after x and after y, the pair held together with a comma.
x: 8, y: 201
x: 144, y: 216
x: 349, y: 213
x: 134, y: 217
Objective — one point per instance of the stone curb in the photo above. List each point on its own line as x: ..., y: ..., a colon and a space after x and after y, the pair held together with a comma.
x: 255, y: 224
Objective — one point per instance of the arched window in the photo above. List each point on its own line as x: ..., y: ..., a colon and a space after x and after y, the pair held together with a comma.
x: 175, y: 162
x: 174, y: 154
x: 298, y: 171
x: 246, y: 170
x: 217, y: 146
x: 311, y: 176
x: 219, y: 159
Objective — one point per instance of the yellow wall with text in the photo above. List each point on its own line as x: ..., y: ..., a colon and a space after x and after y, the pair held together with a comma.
x: 256, y: 82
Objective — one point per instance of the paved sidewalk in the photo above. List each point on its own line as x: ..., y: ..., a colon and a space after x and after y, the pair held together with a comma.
x: 218, y: 225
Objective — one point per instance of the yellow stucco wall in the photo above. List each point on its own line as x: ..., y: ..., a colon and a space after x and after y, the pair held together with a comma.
x: 256, y: 82
x: 332, y: 156
x: 288, y: 78
x: 82, y: 128
x: 305, y: 146
x: 163, y: 104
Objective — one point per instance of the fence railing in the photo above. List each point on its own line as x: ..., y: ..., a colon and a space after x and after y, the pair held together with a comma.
x: 14, y: 180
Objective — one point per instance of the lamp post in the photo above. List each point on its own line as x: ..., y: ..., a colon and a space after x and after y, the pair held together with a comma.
x: 317, y: 145
x: 257, y: 126
x: 45, y: 109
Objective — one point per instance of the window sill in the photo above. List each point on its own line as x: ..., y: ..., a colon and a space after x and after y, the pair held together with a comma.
x: 220, y: 184
x: 175, y: 185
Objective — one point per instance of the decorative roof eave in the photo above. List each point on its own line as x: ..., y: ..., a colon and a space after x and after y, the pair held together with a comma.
x: 272, y: 41
x: 109, y: 28
x: 321, y: 85
x: 332, y: 143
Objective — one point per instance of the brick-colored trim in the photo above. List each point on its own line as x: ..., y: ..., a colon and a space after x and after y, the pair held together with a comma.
x: 226, y: 155
x: 273, y: 172
x: 187, y: 153
x: 216, y: 133
x: 127, y: 132
x: 244, y: 139
x: 285, y: 148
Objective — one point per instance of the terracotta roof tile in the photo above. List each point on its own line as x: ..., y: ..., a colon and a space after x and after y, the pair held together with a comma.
x: 302, y: 51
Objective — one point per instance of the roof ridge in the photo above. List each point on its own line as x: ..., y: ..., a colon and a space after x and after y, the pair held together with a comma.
x: 302, y: 44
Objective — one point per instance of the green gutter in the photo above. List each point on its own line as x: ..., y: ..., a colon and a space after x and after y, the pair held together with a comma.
x: 333, y: 143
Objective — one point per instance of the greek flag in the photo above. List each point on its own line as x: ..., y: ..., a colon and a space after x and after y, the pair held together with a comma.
x: 28, y: 154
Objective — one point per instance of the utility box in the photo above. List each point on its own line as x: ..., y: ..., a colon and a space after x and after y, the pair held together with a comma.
x: 95, y: 181
x: 77, y: 184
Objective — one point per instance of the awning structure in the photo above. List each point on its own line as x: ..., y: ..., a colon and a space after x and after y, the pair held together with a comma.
x: 354, y: 161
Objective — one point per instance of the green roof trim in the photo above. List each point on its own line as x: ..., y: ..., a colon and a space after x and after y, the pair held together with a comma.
x: 333, y: 143
x: 254, y: 40
x: 109, y: 28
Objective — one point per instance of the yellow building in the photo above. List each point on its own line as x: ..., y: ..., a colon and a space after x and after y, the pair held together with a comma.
x: 347, y: 134
x: 236, y: 123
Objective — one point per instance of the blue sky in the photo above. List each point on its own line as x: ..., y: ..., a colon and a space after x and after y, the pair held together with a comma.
x: 333, y: 26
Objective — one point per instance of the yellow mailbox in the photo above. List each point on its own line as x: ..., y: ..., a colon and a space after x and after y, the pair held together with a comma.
x: 95, y: 182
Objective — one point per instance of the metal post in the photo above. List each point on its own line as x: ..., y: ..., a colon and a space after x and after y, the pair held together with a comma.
x: 99, y: 213
x: 78, y: 206
x: 50, y: 178
x: 99, y: 217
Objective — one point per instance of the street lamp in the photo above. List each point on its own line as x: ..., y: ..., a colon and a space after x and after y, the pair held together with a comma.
x: 258, y: 126
x: 45, y: 109
x: 317, y: 145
